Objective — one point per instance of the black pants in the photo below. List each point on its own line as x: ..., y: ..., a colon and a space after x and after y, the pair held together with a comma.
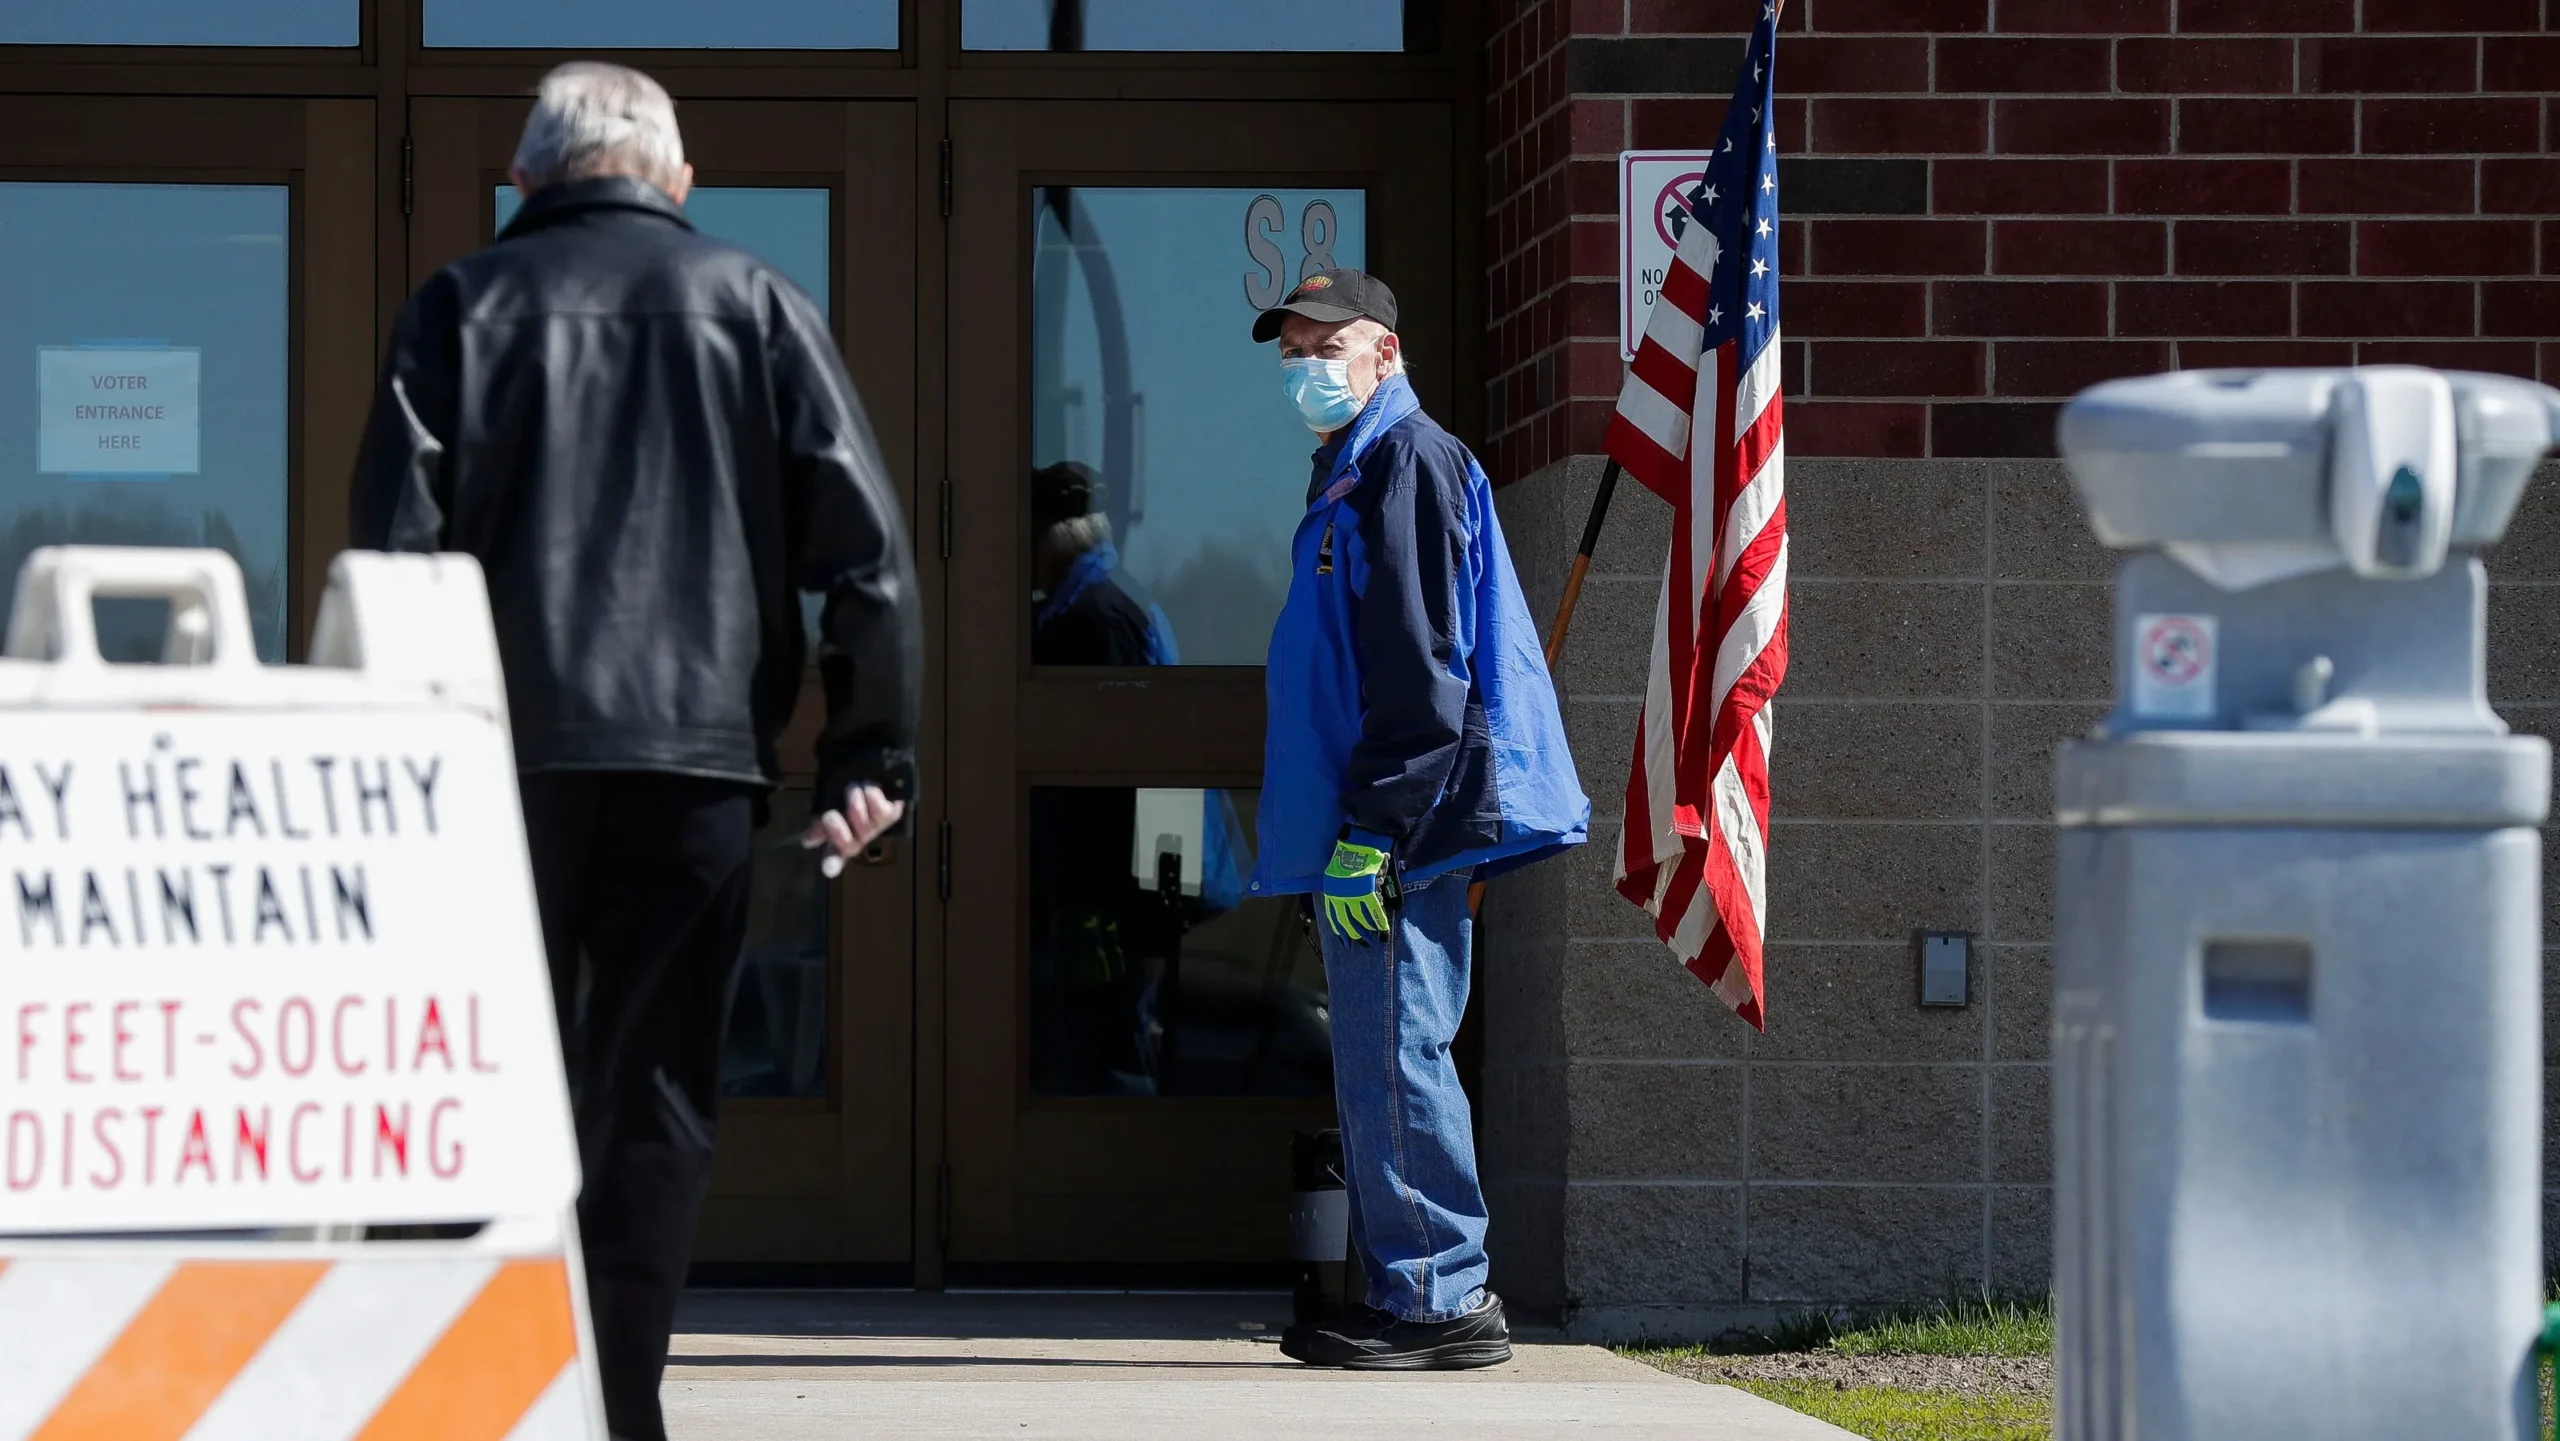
x: 644, y: 876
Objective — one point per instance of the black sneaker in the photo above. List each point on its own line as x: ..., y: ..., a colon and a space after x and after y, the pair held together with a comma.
x: 1364, y: 1339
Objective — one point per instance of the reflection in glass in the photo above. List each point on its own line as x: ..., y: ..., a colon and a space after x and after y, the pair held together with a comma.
x: 778, y: 1021
x: 179, y: 22
x: 1151, y: 974
x: 1309, y: 25
x: 1145, y: 374
x: 664, y: 24
x: 143, y: 382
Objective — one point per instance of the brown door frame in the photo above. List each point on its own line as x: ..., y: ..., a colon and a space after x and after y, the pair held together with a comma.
x: 1044, y: 1183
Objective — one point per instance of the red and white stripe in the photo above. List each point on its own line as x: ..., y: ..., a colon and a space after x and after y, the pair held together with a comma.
x: 1706, y: 432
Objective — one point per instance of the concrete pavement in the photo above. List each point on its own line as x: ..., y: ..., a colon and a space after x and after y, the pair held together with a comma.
x: 781, y: 1366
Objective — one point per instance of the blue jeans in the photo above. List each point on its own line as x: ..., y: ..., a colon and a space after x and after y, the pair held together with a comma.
x: 1408, y: 1145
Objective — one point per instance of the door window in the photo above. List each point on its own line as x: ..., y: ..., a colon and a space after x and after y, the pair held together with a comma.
x: 1168, y: 473
x: 1152, y: 973
x: 180, y: 22
x: 663, y: 24
x: 145, y: 383
x: 1317, y: 25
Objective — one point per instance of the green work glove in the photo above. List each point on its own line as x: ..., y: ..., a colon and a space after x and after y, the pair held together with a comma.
x: 1358, y: 885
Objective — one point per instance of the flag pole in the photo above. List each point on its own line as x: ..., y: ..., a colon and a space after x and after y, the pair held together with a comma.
x: 1581, y: 563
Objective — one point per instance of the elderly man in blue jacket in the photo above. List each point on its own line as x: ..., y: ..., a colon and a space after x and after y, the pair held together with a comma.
x: 1413, y: 746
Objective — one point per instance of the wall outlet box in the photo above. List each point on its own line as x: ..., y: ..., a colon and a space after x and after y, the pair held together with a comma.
x: 1946, y: 963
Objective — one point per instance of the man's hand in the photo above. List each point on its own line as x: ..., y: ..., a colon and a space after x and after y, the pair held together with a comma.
x: 1357, y: 886
x: 844, y: 832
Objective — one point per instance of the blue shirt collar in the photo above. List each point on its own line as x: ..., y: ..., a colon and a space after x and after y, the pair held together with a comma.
x: 1389, y: 404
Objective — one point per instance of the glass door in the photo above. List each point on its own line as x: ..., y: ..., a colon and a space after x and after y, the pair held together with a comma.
x: 815, y: 1163
x: 186, y: 351
x: 1130, y: 1036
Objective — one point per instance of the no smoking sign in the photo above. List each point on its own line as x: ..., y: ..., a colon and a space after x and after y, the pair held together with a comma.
x: 2175, y: 659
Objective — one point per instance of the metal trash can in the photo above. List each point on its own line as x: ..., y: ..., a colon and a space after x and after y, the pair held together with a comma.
x: 2297, y: 971
x: 1320, y: 1227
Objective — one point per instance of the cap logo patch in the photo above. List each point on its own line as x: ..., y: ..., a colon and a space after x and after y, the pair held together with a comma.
x: 1315, y: 283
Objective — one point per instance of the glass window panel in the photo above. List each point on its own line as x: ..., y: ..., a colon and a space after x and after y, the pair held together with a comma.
x: 143, y: 382
x: 664, y: 24
x: 1308, y: 25
x: 1152, y: 974
x: 778, y: 1019
x: 1171, y: 544
x: 179, y: 22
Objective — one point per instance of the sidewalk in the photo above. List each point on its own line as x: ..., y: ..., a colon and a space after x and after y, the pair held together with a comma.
x: 781, y: 1366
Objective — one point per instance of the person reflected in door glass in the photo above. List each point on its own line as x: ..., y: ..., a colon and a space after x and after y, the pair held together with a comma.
x: 647, y: 440
x: 1085, y: 609
x: 1413, y: 745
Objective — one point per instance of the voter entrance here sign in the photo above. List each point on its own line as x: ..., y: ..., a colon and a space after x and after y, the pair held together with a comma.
x: 1654, y: 195
x: 113, y: 411
x: 269, y: 968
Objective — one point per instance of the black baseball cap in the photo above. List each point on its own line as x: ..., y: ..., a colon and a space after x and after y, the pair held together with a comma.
x: 1331, y: 295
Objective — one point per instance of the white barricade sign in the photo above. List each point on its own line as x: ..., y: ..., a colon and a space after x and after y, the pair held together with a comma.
x: 270, y: 964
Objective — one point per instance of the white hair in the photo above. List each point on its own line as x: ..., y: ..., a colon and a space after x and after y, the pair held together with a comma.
x: 592, y: 119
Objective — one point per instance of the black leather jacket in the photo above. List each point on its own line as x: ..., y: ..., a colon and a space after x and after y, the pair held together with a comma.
x: 647, y: 440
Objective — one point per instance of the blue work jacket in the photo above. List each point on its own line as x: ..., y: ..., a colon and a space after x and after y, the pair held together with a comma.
x: 1407, y: 693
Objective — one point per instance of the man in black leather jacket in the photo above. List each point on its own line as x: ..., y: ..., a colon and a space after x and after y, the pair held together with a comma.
x: 648, y: 441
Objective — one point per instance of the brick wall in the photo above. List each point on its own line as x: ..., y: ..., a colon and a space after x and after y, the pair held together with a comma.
x: 1993, y: 203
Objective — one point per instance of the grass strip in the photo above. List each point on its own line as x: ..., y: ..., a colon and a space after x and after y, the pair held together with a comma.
x: 1893, y: 1415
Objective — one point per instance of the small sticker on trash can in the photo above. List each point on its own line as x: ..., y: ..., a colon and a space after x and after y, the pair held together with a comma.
x: 2174, y: 661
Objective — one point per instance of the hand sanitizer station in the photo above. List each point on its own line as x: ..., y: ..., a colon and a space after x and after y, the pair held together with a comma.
x: 2297, y: 978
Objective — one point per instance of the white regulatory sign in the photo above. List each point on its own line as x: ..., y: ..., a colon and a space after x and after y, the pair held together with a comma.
x: 117, y: 412
x: 270, y: 967
x: 2175, y: 658
x: 1654, y: 190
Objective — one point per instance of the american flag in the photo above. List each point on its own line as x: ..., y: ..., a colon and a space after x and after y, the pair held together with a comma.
x: 1701, y: 424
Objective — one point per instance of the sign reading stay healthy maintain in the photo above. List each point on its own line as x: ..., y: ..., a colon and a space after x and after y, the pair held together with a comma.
x: 266, y: 964
x: 104, y: 411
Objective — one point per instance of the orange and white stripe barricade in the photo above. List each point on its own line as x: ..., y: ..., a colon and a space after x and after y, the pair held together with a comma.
x: 271, y: 972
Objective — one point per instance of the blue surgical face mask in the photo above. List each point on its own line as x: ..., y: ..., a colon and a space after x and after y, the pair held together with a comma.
x: 1321, y: 390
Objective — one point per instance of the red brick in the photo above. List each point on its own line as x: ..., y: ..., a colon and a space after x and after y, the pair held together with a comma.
x: 1705, y: 17
x: 1794, y: 246
x: 1898, y: 367
x: 2361, y: 308
x: 1856, y: 428
x: 2080, y: 247
x: 2012, y: 429
x: 2527, y: 309
x: 2550, y: 247
x: 2266, y: 17
x: 1587, y: 426
x: 2205, y: 67
x: 2498, y: 357
x: 2018, y: 187
x: 2518, y: 187
x: 2386, y: 187
x: 1594, y: 248
x: 1592, y: 367
x: 1900, y: 127
x: 2517, y: 62
x: 1894, y: 247
x: 2008, y: 64
x: 1594, y: 127
x: 2452, y: 16
x: 2264, y: 247
x: 2182, y: 308
x: 1823, y: 309
x: 2267, y: 127
x: 2067, y: 367
x: 1858, y: 65
x: 2550, y: 362
x: 2448, y: 127
x: 1677, y: 124
x: 1904, y: 17
x: 2343, y: 65
x: 2124, y: 17
x: 2204, y: 187
x: 2081, y: 127
x: 2018, y: 307
x: 1596, y: 17
x: 2445, y: 247
x: 1591, y: 187
x: 1591, y: 307
x: 2262, y: 354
